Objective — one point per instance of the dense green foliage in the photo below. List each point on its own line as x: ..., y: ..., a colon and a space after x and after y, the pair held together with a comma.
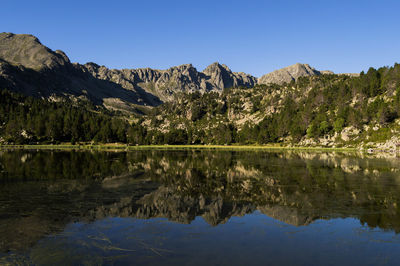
x: 31, y: 120
x: 315, y: 107
x: 312, y: 106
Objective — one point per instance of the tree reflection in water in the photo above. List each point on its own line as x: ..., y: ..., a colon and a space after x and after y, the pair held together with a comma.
x: 43, y: 191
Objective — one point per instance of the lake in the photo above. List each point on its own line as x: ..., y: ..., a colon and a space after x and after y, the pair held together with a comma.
x: 198, y: 207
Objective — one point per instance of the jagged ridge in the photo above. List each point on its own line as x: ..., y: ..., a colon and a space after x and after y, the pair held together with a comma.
x: 29, y: 67
x: 166, y: 83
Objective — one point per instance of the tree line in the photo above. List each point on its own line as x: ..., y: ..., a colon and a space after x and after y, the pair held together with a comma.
x: 318, y: 106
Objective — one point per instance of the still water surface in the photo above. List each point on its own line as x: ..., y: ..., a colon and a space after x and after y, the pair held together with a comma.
x: 190, y: 207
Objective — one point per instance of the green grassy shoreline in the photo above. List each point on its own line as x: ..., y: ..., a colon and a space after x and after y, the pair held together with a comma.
x: 124, y: 147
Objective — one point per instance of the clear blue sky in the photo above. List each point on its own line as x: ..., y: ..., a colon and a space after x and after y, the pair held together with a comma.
x: 250, y: 36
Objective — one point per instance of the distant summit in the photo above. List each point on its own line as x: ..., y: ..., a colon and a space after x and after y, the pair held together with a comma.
x: 222, y: 77
x: 288, y: 74
x: 166, y: 83
x: 27, y: 51
x: 29, y: 67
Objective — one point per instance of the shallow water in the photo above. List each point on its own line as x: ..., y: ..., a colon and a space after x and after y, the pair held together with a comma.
x: 196, y: 207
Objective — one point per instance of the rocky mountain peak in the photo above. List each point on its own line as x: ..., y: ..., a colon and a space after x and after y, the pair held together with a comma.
x: 216, y: 68
x: 28, y: 51
x: 183, y: 69
x: 19, y: 52
x: 288, y: 74
x: 185, y: 66
x: 222, y: 77
x: 300, y: 69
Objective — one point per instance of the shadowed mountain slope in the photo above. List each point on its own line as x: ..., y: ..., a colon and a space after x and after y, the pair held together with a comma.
x: 166, y: 83
x: 29, y: 67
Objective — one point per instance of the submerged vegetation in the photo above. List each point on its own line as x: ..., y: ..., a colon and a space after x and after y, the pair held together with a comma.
x: 328, y: 110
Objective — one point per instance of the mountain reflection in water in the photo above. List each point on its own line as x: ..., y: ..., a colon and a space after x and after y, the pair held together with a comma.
x: 41, y: 192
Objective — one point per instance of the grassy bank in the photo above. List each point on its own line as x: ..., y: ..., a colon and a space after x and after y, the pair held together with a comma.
x: 169, y: 147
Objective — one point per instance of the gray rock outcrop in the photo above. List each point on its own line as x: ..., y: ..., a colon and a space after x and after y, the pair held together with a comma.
x: 26, y: 50
x: 287, y: 74
x: 166, y: 83
x: 221, y: 77
x: 29, y: 67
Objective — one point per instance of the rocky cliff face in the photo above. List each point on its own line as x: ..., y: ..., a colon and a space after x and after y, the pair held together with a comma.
x: 161, y: 83
x: 166, y: 83
x: 220, y: 77
x: 29, y: 67
x: 288, y: 74
x: 27, y: 51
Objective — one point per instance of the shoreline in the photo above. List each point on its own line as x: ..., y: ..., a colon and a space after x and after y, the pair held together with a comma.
x: 125, y: 147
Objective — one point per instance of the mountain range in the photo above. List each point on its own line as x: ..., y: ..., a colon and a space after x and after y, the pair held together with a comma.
x: 29, y: 67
